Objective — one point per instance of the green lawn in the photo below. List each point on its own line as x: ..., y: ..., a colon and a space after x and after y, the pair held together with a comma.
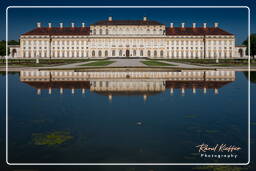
x: 99, y: 63
x: 32, y: 62
x: 212, y: 62
x: 156, y: 63
x: 42, y: 62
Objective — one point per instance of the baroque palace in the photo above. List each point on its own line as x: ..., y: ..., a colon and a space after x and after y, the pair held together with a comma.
x: 127, y: 38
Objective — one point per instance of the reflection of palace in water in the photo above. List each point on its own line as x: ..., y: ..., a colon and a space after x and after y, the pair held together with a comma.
x: 111, y: 83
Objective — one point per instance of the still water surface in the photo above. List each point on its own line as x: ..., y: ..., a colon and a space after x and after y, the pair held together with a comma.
x: 140, y: 126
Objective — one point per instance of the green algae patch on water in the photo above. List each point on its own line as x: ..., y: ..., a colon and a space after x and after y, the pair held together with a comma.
x: 52, y: 138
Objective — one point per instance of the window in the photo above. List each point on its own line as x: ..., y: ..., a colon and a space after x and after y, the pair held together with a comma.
x: 141, y: 52
x: 148, y: 53
x: 93, y: 53
x: 100, y: 31
x: 106, y: 53
x: 100, y: 53
x: 161, y: 53
x: 106, y: 31
x: 113, y: 53
x: 155, y: 53
x: 134, y: 52
x: 120, y: 53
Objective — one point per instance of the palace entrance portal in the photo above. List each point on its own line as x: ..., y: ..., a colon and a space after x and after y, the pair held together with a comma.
x: 127, y: 53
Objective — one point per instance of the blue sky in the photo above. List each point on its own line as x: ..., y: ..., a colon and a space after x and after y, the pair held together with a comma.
x: 232, y: 20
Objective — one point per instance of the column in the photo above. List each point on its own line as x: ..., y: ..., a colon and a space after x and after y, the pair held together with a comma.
x: 194, y: 90
x: 50, y: 90
x: 216, y: 91
x: 61, y: 90
x: 171, y: 91
x: 38, y: 91
x: 110, y: 97
x: 145, y: 97
x: 205, y: 90
x: 183, y: 90
x: 83, y: 90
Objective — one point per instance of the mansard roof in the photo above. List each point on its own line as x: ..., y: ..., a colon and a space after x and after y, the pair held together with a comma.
x: 59, y: 31
x: 127, y: 22
x: 86, y: 30
x: 196, y: 31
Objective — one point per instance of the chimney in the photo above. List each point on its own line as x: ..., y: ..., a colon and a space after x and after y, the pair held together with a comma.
x: 145, y: 18
x: 38, y: 25
x: 216, y: 25
x: 83, y: 25
x: 205, y: 25
x: 50, y: 25
x: 72, y: 25
x: 61, y: 25
x: 110, y: 18
x: 194, y: 25
x: 182, y: 25
x: 171, y: 25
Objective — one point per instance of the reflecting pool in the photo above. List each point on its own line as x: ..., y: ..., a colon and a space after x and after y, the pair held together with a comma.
x: 126, y: 116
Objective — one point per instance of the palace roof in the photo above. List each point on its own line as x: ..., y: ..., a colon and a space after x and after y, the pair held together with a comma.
x: 196, y: 31
x: 86, y: 30
x: 127, y: 22
x: 59, y: 31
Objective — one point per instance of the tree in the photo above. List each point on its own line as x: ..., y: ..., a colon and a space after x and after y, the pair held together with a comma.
x: 3, y: 46
x: 252, y: 76
x: 13, y: 42
x: 252, y: 45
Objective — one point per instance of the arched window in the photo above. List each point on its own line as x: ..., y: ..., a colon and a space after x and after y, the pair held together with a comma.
x: 134, y: 52
x: 161, y: 53
x: 155, y: 53
x: 149, y: 53
x: 120, y: 52
x: 106, y: 53
x: 113, y: 53
x: 215, y: 55
x: 99, y: 53
x: 182, y: 54
x: 141, y: 52
x: 93, y: 53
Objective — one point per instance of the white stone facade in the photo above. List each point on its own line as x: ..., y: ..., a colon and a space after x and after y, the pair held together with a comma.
x: 150, y: 41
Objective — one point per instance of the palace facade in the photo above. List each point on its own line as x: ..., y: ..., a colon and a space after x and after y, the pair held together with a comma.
x: 127, y: 38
